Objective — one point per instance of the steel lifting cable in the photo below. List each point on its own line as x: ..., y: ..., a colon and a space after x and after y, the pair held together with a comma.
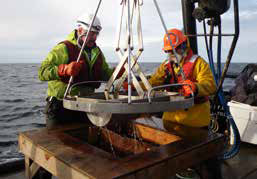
x: 131, y: 21
x: 129, y: 52
x: 83, y: 46
x: 124, y: 53
x: 120, y: 26
x: 168, y: 35
x: 128, y: 48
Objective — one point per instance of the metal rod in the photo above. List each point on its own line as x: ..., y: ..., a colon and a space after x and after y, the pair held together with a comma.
x: 129, y: 54
x: 162, y: 20
x: 139, y: 29
x: 168, y: 35
x: 131, y: 22
x: 84, y: 82
x: 119, y: 27
x: 231, y: 51
x: 200, y: 35
x: 206, y: 40
x: 211, y: 49
x: 165, y: 86
x: 219, y: 50
x: 83, y: 46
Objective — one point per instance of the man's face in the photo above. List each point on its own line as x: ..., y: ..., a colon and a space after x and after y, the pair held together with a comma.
x: 91, y: 39
x: 180, y: 52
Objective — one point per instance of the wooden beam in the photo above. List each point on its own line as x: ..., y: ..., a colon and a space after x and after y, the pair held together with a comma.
x: 33, y: 169
x: 27, y: 167
x: 44, y: 159
x: 156, y: 136
x: 70, y: 156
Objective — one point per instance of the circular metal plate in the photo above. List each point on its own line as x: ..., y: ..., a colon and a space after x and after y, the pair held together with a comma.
x: 99, y: 119
x: 95, y: 106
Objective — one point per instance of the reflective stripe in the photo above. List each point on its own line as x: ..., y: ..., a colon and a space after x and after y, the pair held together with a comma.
x: 193, y: 58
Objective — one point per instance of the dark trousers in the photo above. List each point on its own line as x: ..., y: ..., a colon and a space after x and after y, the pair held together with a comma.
x: 56, y: 114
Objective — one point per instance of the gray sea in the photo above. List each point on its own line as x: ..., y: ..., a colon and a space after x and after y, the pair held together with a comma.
x: 22, y: 101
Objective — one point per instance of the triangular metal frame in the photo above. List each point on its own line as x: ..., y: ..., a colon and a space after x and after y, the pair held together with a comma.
x: 127, y: 59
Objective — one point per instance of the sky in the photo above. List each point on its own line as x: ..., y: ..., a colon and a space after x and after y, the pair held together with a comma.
x: 29, y: 29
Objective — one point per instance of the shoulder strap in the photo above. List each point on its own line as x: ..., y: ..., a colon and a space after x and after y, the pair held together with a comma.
x: 73, y: 51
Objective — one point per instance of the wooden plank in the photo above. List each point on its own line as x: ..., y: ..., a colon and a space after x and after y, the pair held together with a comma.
x: 174, y: 163
x: 45, y: 160
x: 156, y: 136
x: 124, y: 144
x: 34, y: 168
x: 75, y: 153
x: 27, y: 167
x: 68, y: 157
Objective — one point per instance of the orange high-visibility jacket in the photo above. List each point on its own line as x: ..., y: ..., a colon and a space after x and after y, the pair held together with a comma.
x: 199, y: 114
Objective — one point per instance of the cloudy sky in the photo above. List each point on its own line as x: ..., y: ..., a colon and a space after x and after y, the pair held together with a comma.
x: 30, y: 28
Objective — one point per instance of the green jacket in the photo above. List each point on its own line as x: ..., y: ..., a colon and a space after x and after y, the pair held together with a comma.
x: 48, y: 70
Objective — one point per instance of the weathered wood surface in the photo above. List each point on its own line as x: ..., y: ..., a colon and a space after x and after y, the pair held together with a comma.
x: 156, y: 136
x: 125, y: 144
x: 69, y: 157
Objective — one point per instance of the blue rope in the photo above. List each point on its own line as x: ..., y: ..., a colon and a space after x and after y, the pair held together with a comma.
x: 236, y: 146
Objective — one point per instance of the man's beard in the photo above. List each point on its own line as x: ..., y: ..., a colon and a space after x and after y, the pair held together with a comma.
x: 173, y: 58
x: 80, y: 42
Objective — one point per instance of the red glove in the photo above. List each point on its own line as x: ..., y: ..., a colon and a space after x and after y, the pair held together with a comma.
x: 188, y: 88
x: 71, y: 69
x: 125, y: 86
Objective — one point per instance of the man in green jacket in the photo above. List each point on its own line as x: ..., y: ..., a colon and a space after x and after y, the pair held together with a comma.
x: 61, y: 64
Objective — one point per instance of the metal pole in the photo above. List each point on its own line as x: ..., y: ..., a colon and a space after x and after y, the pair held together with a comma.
x: 168, y: 35
x: 232, y: 48
x: 83, y: 46
x: 189, y: 23
x: 129, y: 54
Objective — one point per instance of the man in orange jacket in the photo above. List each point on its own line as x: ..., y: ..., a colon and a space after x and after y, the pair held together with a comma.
x: 199, y: 80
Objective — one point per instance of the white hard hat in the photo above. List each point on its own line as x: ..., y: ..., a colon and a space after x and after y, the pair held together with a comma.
x: 85, y: 19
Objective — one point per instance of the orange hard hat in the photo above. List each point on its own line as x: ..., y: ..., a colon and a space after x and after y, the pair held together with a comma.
x: 176, y: 36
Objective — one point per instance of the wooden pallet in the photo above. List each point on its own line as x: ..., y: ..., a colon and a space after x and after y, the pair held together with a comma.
x: 69, y: 157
